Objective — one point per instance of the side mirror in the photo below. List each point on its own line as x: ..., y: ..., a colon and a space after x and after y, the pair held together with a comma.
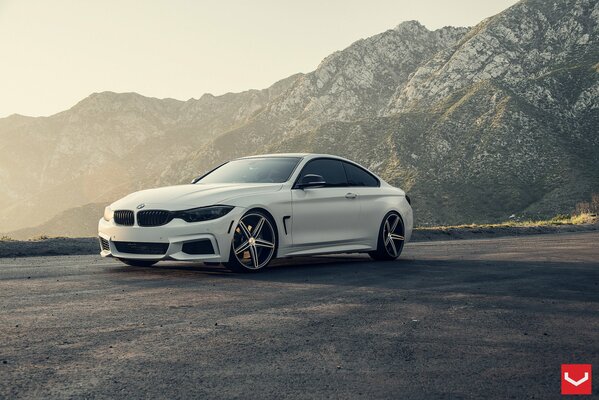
x: 312, y: 180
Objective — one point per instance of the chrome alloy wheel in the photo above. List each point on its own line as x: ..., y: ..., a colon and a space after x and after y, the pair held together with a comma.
x: 393, y: 235
x: 254, y: 241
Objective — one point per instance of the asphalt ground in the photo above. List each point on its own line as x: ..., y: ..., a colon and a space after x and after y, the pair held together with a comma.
x: 488, y: 318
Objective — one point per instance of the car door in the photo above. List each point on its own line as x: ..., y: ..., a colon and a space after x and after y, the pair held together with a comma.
x: 368, y: 195
x: 324, y: 216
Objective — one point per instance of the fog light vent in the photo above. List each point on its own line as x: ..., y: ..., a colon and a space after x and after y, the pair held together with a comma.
x: 203, y: 246
x: 104, y: 244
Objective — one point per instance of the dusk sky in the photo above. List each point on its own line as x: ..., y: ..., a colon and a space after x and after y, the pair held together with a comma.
x: 55, y: 53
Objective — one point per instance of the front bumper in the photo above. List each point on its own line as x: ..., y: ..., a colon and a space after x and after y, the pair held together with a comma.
x: 176, y: 234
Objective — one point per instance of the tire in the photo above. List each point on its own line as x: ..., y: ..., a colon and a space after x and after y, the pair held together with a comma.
x: 390, y: 238
x: 254, y: 243
x: 138, y: 263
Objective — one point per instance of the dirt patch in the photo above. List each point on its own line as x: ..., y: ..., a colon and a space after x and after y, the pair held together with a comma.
x: 49, y: 247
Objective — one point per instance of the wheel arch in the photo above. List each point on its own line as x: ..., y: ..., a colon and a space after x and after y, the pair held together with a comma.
x: 404, y: 209
x: 401, y: 218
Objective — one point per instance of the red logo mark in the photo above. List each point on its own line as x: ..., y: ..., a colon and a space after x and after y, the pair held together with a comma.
x: 576, y: 379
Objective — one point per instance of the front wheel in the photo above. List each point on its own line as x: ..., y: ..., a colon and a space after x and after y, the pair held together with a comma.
x: 390, y: 238
x: 138, y: 263
x: 254, y: 243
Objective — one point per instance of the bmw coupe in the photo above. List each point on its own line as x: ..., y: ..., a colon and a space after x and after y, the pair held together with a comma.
x: 248, y: 211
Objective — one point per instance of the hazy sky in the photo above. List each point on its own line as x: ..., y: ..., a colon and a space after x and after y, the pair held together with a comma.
x: 54, y: 53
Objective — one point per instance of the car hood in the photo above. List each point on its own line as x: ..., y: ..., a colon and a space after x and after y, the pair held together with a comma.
x: 182, y: 197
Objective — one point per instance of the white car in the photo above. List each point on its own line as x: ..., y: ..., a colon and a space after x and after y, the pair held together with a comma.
x: 248, y: 211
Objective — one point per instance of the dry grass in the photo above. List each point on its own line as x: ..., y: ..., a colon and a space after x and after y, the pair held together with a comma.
x: 579, y: 219
x: 39, y: 238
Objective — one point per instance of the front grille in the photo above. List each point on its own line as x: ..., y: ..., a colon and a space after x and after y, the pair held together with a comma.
x: 141, y: 247
x: 153, y: 217
x: 123, y: 217
x: 203, y: 246
x: 104, y: 244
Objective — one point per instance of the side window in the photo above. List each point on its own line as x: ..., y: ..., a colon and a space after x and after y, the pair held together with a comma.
x: 358, y: 177
x: 331, y: 170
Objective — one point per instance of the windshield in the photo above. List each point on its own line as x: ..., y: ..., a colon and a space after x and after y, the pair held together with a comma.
x: 253, y: 170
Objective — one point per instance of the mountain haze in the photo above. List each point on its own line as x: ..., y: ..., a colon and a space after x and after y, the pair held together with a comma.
x: 105, y: 146
x: 476, y: 123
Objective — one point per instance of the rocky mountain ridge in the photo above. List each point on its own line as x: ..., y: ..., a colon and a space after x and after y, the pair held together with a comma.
x: 477, y: 123
x: 355, y: 83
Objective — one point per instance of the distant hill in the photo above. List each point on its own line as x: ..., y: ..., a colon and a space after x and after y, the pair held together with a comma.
x: 74, y: 222
x: 476, y: 123
x: 106, y: 146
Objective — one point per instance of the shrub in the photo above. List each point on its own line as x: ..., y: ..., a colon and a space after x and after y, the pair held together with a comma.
x: 41, y: 237
x: 588, y: 207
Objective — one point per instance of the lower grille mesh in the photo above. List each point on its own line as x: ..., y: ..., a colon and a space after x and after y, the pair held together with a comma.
x: 141, y: 247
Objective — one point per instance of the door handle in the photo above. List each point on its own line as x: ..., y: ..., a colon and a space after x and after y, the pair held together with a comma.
x: 351, y: 196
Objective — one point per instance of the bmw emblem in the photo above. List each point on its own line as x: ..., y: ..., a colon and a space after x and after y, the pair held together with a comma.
x: 142, y: 205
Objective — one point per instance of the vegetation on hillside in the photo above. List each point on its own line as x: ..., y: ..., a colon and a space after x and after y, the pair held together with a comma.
x: 585, y: 213
x: 576, y: 219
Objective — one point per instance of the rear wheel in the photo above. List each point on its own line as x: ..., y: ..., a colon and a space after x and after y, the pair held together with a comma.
x: 390, y: 239
x: 138, y: 263
x: 254, y: 243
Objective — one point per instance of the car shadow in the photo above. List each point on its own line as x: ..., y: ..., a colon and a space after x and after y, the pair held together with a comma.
x: 538, y: 279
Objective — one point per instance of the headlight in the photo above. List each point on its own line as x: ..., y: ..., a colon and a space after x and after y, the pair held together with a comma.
x: 108, y: 213
x: 204, y: 213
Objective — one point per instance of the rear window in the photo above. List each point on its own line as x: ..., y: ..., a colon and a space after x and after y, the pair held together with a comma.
x: 359, y: 177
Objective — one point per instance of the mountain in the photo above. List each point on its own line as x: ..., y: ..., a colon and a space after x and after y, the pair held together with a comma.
x: 351, y: 84
x: 476, y: 123
x: 503, y: 122
x: 105, y: 146
x: 498, y: 120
